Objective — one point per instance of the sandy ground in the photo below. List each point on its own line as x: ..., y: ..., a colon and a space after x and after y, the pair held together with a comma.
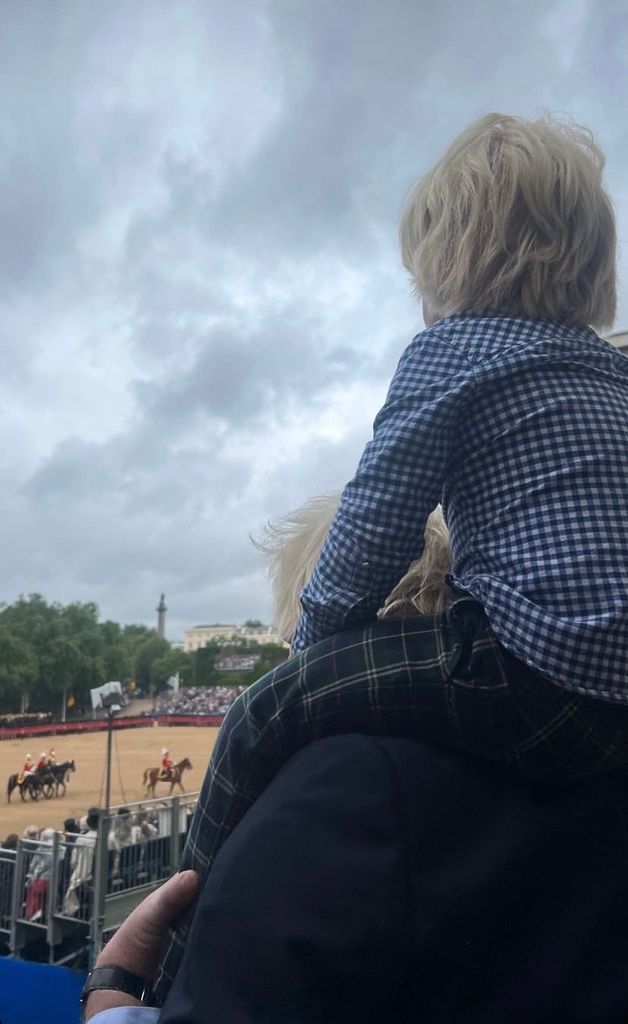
x: 133, y: 751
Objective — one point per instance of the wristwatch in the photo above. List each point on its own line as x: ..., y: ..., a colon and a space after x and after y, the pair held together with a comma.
x: 116, y: 979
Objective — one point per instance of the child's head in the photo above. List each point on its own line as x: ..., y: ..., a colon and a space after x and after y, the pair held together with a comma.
x: 514, y: 218
x: 293, y: 544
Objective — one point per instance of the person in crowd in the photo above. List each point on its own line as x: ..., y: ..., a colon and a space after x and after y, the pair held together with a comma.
x: 10, y: 843
x: 28, y: 768
x: 120, y: 838
x: 526, y: 666
x: 71, y: 829
x: 39, y: 875
x: 78, y: 894
x: 143, y: 829
x: 31, y: 832
x: 121, y: 833
x: 167, y: 764
x: 152, y: 817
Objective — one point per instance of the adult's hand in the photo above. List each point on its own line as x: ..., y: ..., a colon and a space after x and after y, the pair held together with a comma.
x: 141, y: 941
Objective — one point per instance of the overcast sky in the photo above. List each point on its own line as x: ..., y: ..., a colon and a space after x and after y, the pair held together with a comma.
x: 202, y: 300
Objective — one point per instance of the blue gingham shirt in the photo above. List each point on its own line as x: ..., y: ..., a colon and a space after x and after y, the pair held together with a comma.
x: 520, y: 428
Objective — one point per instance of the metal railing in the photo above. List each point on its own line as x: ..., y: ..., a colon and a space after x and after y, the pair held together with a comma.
x: 8, y: 859
x: 69, y: 892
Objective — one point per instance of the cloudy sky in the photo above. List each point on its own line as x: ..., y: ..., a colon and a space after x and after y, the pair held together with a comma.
x: 202, y: 301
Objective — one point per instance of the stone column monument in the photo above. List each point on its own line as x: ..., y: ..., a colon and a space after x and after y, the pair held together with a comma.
x: 161, y: 617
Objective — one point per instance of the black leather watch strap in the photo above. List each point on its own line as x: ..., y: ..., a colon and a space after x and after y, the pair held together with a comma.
x: 117, y: 979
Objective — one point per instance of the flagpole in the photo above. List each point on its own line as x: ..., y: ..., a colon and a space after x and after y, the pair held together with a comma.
x: 110, y: 714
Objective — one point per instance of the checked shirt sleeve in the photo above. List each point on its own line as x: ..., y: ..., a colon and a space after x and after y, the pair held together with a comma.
x: 378, y: 530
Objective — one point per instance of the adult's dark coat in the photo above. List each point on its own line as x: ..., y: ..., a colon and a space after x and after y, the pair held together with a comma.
x: 379, y: 880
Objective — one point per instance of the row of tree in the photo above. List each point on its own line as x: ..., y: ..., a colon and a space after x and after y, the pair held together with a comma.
x: 51, y: 655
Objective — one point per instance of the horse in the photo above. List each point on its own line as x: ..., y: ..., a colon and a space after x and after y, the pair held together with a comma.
x: 152, y: 777
x: 32, y: 785
x: 61, y: 773
x: 51, y: 782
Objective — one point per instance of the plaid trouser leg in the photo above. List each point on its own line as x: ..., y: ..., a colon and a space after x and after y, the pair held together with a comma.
x: 435, y: 678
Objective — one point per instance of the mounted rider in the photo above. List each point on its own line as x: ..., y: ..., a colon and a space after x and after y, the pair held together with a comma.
x: 28, y: 769
x: 52, y: 758
x: 42, y: 764
x: 167, y: 765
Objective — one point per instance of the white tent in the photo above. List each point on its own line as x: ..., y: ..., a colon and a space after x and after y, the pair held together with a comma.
x: 105, y: 695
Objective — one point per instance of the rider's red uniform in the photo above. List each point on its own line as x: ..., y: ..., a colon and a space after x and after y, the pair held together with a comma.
x: 166, y: 766
x: 41, y: 764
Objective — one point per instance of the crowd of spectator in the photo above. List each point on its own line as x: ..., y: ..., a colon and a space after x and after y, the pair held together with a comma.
x: 199, y: 700
x: 13, y: 721
x: 128, y: 835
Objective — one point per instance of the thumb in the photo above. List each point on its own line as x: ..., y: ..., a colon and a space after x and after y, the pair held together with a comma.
x: 140, y: 941
x: 166, y: 904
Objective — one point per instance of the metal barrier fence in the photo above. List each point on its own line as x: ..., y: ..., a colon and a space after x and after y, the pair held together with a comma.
x: 67, y: 892
x: 8, y: 860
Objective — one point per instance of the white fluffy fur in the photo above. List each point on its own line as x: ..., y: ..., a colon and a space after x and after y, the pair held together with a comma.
x: 293, y: 543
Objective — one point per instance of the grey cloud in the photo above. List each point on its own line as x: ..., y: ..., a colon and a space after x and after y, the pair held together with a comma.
x: 237, y: 379
x: 215, y: 189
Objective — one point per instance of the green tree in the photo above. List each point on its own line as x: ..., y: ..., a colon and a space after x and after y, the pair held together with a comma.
x: 201, y: 665
x: 169, y: 664
x: 18, y: 671
x: 145, y: 655
x: 60, y: 668
x: 117, y: 659
x: 81, y: 627
x: 48, y: 650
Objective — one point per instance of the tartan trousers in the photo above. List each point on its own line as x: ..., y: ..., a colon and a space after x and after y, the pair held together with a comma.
x: 444, y: 679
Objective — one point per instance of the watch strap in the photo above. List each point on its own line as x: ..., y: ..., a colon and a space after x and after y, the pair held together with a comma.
x: 116, y: 979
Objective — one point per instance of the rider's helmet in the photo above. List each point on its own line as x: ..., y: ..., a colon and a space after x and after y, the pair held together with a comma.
x: 29, y: 757
x: 164, y: 751
x: 43, y: 754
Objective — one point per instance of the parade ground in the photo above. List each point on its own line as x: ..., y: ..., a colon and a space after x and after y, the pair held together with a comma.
x: 133, y: 751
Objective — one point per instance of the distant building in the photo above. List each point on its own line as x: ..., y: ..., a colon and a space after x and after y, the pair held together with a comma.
x: 199, y: 636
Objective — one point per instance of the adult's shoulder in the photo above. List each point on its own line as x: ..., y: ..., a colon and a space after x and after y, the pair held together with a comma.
x: 312, y: 884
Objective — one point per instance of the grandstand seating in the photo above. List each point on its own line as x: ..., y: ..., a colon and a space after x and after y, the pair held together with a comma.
x: 36, y: 909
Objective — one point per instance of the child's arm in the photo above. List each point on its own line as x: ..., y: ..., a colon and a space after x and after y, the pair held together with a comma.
x: 378, y: 529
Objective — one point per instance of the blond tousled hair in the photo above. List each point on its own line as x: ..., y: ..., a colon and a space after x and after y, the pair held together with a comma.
x: 293, y: 543
x: 514, y: 218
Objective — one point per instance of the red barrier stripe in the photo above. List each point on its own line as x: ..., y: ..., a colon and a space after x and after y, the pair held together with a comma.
x: 100, y: 724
